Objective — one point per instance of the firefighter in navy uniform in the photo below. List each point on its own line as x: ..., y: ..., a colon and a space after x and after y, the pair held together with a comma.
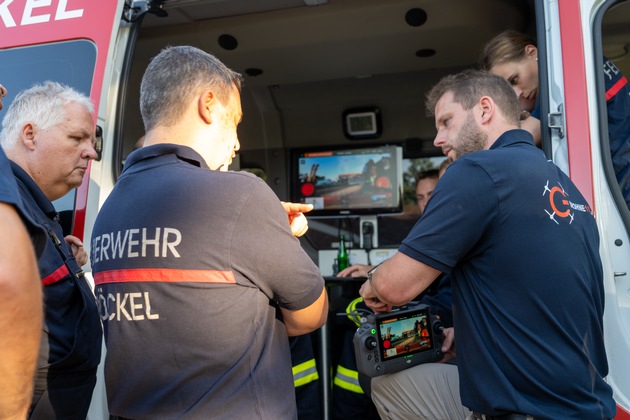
x: 197, y: 306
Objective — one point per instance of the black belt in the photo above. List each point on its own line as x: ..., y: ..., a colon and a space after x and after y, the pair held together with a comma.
x: 509, y: 416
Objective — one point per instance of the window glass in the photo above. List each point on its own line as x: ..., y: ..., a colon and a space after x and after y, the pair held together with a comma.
x: 71, y: 63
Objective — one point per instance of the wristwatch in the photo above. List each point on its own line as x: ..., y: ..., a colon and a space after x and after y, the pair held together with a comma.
x: 370, y: 273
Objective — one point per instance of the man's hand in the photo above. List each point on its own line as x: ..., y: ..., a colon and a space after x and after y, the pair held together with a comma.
x: 356, y: 270
x: 371, y: 300
x: 80, y: 254
x: 297, y: 220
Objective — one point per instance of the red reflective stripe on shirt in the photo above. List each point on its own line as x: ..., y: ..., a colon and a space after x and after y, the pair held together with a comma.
x: 616, y: 88
x: 55, y: 276
x: 165, y: 275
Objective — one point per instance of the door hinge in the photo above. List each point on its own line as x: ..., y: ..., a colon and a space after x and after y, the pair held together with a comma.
x: 556, y: 121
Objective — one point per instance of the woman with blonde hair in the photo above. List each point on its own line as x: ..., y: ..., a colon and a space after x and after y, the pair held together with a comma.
x: 514, y: 56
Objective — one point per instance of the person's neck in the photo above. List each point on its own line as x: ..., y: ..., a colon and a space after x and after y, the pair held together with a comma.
x: 497, y: 132
x: 175, y: 134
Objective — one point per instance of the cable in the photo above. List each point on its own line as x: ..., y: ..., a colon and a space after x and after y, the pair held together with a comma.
x: 359, y: 316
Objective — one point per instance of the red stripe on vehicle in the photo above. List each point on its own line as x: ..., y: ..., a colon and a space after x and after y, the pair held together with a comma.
x: 575, y: 94
x: 622, y: 413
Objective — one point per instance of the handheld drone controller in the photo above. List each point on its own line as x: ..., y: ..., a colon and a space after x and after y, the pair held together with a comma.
x: 390, y: 342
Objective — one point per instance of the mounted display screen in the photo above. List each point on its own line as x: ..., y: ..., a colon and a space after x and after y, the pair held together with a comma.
x: 350, y: 181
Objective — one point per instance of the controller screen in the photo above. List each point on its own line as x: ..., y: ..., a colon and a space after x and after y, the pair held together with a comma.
x: 401, y: 335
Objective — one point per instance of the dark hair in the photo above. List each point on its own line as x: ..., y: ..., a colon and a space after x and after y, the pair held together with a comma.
x: 174, y: 76
x: 469, y: 86
x: 429, y: 173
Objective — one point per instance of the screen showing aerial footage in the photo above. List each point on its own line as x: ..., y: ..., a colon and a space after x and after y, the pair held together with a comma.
x: 352, y: 181
x: 404, y: 335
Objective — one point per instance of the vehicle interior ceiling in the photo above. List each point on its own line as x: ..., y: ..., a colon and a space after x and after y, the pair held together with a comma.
x: 305, y: 62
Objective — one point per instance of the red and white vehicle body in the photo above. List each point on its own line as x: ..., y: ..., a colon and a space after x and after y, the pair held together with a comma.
x: 95, y: 45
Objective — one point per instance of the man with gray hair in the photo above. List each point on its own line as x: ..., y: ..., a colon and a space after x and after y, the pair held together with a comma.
x: 48, y: 136
x: 199, y: 278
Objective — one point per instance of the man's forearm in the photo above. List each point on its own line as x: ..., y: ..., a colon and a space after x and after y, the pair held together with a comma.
x: 20, y: 316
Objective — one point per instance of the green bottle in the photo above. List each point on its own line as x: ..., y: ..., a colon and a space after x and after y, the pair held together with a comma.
x: 342, y: 255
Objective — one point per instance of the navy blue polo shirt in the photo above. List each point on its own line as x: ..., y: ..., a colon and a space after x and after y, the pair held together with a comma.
x: 441, y: 302
x: 191, y: 266
x: 9, y: 194
x: 522, y: 248
x: 72, y: 337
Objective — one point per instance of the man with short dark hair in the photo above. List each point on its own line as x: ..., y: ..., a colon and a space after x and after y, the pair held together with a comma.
x: 48, y: 134
x: 522, y: 249
x: 199, y: 277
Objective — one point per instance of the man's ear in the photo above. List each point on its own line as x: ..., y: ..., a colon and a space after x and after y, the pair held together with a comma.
x: 487, y: 107
x: 206, y: 103
x: 27, y: 136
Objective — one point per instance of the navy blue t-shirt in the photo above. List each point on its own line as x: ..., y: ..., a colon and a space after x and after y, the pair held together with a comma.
x: 522, y: 248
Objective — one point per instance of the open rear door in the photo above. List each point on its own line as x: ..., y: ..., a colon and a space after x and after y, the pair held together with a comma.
x: 71, y: 42
x: 67, y: 41
x: 577, y: 123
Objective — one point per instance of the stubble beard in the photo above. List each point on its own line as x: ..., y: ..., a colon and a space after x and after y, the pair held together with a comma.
x: 470, y: 138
